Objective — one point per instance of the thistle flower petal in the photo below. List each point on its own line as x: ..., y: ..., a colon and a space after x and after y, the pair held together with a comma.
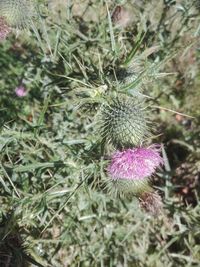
x: 130, y: 170
x: 136, y: 163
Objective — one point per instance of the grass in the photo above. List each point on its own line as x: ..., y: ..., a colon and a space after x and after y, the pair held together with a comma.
x: 52, y: 162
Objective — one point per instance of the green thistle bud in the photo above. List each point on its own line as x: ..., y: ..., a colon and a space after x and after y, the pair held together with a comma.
x: 17, y: 13
x: 124, y: 123
x: 125, y: 187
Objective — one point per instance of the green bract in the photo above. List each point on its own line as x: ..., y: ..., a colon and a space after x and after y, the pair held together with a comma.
x: 124, y: 187
x: 124, y: 122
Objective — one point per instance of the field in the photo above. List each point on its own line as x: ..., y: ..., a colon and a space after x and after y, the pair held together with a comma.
x: 60, y: 63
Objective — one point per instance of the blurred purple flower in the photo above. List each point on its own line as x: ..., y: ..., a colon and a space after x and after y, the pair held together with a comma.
x: 4, y: 29
x: 135, y: 164
x: 20, y: 91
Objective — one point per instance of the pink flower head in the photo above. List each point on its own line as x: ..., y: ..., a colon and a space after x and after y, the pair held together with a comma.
x: 20, y: 91
x: 4, y: 29
x: 135, y: 164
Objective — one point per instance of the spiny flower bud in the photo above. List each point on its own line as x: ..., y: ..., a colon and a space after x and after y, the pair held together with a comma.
x: 17, y: 13
x: 124, y: 123
x: 4, y: 29
x: 130, y: 170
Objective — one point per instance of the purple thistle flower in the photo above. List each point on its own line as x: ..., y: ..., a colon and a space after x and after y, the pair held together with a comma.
x: 130, y: 169
x: 135, y: 164
x: 20, y: 91
x: 4, y: 29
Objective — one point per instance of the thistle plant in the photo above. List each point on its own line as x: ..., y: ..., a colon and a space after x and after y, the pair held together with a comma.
x: 124, y: 122
x: 130, y: 170
x: 17, y: 13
